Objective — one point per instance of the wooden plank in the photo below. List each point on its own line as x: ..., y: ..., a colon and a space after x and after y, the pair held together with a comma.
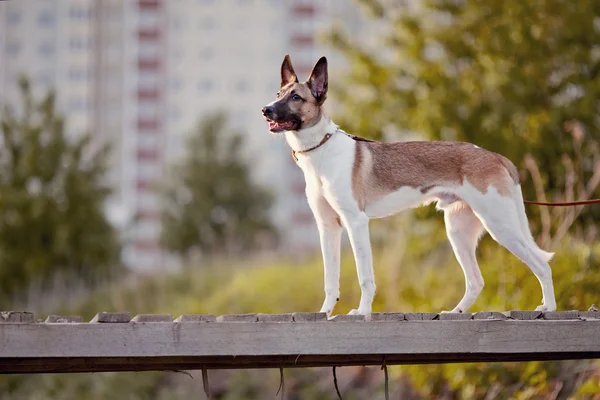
x: 524, y: 315
x: 196, y: 318
x: 15, y: 317
x: 385, y: 317
x: 425, y: 316
x: 591, y: 313
x: 560, y: 315
x: 237, y: 318
x: 141, y: 318
x: 455, y: 316
x: 275, y: 318
x: 347, y: 318
x: 112, y: 318
x: 61, y: 319
x: 309, y: 317
x: 86, y: 347
x: 489, y: 315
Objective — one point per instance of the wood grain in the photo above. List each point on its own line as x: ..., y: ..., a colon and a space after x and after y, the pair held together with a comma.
x: 86, y: 347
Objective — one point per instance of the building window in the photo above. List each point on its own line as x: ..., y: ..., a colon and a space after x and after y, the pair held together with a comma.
x: 13, y: 18
x: 176, y: 53
x: 147, y: 142
x: 46, y: 19
x: 174, y: 113
x: 207, y: 24
x: 13, y: 48
x: 78, y: 74
x: 147, y: 109
x: 148, y: 49
x: 78, y: 104
x: 241, y: 117
x: 242, y: 86
x: 148, y: 19
x: 207, y: 54
x: 80, y: 13
x: 176, y: 23
x: 175, y: 84
x: 46, y: 49
x: 205, y: 86
x: 79, y: 43
x: 147, y: 80
x: 44, y: 79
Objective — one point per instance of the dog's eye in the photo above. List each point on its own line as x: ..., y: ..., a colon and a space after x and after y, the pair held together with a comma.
x: 278, y: 94
x: 296, y: 97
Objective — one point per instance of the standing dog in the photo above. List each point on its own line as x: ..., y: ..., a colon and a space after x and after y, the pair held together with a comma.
x: 350, y: 180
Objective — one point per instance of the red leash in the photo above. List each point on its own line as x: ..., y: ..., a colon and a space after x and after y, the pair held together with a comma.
x: 572, y: 203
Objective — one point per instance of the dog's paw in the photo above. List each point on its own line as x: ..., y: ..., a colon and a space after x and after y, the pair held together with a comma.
x: 454, y: 311
x: 544, y: 308
x: 359, y: 312
x: 328, y: 306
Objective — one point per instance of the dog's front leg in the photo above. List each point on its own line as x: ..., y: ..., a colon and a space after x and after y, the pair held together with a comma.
x: 358, y: 233
x: 330, y: 234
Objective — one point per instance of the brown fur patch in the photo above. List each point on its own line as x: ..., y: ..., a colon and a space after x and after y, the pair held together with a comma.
x: 381, y: 168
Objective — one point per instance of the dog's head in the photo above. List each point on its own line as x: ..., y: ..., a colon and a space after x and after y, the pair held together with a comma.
x: 298, y: 104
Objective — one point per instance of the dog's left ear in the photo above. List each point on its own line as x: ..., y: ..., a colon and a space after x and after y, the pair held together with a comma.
x: 318, y: 80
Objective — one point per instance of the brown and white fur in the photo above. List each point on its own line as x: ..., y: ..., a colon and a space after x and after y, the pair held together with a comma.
x: 350, y: 181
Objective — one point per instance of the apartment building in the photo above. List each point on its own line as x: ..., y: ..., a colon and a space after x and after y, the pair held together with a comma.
x: 139, y: 74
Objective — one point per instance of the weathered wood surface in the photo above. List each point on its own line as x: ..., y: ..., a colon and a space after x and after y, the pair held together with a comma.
x: 115, y: 342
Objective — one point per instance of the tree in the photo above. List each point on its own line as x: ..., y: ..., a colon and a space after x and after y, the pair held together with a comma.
x: 52, y: 192
x: 211, y: 203
x: 509, y: 76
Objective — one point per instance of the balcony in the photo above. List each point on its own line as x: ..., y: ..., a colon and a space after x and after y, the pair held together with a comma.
x: 148, y: 64
x: 148, y: 34
x: 303, y: 10
x: 148, y: 94
x: 147, y: 124
x: 147, y: 155
x: 302, y: 40
x: 148, y: 4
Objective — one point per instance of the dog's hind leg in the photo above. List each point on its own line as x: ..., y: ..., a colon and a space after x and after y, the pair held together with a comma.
x: 501, y: 219
x: 464, y: 229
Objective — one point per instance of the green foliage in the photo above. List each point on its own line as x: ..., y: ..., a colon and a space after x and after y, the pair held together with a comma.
x: 509, y: 76
x: 51, y: 200
x: 211, y: 203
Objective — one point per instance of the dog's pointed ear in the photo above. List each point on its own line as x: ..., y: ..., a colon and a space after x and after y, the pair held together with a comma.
x: 287, y: 72
x: 318, y: 80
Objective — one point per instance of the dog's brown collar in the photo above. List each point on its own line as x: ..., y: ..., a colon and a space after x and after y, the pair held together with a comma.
x: 325, y: 139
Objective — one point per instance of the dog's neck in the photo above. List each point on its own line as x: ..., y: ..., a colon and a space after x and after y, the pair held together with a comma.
x: 307, y: 138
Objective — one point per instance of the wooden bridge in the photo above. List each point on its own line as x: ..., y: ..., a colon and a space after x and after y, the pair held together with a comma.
x: 115, y: 342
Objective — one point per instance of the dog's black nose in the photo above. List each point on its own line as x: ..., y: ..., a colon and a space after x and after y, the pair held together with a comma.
x: 267, y: 111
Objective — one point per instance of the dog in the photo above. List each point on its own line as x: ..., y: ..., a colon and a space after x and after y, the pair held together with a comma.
x: 350, y: 180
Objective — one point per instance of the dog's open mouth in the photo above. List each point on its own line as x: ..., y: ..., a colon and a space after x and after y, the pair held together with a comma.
x: 275, y: 126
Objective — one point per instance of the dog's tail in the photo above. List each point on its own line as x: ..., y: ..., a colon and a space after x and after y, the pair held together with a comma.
x: 520, y: 205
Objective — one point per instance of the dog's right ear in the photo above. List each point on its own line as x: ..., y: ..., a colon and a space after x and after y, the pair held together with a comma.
x: 287, y: 72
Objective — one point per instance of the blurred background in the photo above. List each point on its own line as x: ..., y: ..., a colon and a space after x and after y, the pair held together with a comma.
x: 136, y: 172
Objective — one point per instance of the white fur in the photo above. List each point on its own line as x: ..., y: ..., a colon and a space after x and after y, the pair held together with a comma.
x: 467, y: 211
x: 401, y: 199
